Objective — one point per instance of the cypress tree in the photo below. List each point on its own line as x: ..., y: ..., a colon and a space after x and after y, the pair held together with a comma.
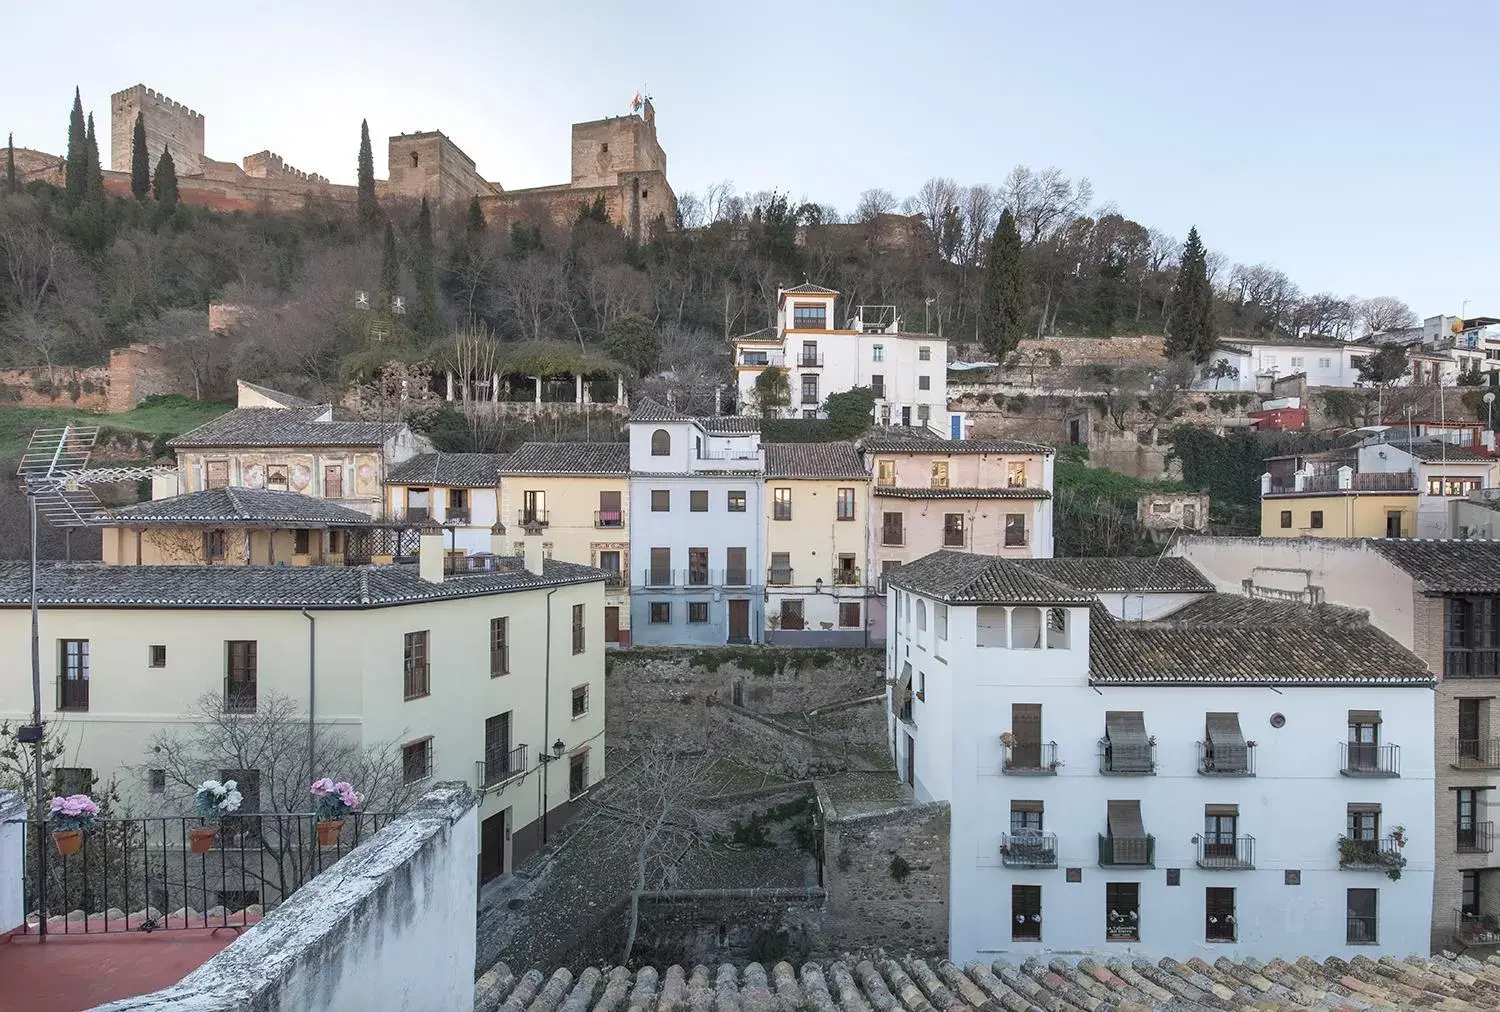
x: 10, y: 164
x: 74, y: 179
x: 390, y: 268
x: 140, y: 160
x: 368, y: 208
x: 93, y: 171
x: 1192, y: 334
x: 164, y: 183
x: 476, y: 217
x: 1006, y: 302
x: 425, y: 269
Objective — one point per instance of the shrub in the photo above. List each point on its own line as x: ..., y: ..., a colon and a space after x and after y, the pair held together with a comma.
x: 899, y: 868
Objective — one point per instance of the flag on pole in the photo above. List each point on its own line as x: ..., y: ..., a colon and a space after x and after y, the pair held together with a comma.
x: 635, y: 103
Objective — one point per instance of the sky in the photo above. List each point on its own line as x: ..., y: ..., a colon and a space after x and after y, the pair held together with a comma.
x: 1347, y: 142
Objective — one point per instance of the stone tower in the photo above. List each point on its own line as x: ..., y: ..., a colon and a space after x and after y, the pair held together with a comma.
x: 169, y: 125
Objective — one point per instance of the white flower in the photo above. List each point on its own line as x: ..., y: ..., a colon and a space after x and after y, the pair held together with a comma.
x: 232, y: 802
x: 210, y: 785
x: 1020, y: 918
x: 230, y: 785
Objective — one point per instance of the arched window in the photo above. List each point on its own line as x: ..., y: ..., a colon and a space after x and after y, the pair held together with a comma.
x: 661, y: 443
x: 921, y: 615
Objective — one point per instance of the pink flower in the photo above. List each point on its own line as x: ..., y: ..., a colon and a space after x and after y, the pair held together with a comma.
x: 323, y: 787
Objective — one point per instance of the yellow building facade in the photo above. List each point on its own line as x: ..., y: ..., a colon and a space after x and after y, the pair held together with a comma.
x: 1342, y: 514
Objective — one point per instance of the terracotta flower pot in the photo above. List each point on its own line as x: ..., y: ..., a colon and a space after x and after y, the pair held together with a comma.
x: 68, y: 840
x: 201, y: 839
x: 328, y: 832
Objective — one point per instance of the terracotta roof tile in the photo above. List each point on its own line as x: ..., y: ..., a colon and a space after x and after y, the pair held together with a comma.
x: 963, y: 578
x: 807, y: 288
x: 449, y: 470
x: 1445, y: 566
x: 904, y: 443
x: 284, y: 427
x: 899, y: 492
x: 570, y: 458
x: 729, y: 425
x: 248, y: 506
x: 647, y: 410
x: 1104, y: 575
x: 814, y: 460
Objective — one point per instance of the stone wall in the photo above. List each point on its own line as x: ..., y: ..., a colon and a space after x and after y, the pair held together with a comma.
x: 65, y: 386
x: 169, y: 125
x: 392, y: 925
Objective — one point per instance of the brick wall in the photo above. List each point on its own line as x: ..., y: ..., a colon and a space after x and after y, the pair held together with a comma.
x: 84, y: 387
x: 139, y: 371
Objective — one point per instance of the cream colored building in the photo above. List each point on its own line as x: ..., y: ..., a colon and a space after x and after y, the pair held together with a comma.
x: 815, y: 543
x: 580, y: 494
x: 459, y: 490
x: 473, y: 677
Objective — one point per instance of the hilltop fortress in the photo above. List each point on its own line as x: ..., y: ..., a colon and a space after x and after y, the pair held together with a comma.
x: 618, y: 158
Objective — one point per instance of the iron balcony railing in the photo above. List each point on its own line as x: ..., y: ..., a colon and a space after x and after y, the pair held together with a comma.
x: 1476, y: 753
x: 1028, y: 850
x: 72, y: 693
x: 1226, y: 852
x: 1360, y: 760
x: 894, y: 536
x: 142, y: 874
x: 1221, y: 761
x: 614, y: 578
x: 657, y: 577
x: 1031, y: 758
x: 239, y: 698
x: 736, y: 578
x: 779, y: 576
x: 1360, y: 929
x: 1469, y: 663
x: 609, y: 518
x: 1127, y: 851
x: 846, y: 576
x: 499, y: 766
x: 809, y: 360
x: 526, y: 516
x: 457, y: 515
x: 1370, y: 855
x: 415, y: 514
x: 1127, y: 758
x: 1476, y: 837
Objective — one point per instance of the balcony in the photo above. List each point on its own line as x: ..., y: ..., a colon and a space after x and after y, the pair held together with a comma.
x: 892, y: 537
x: 614, y: 578
x: 415, y: 514
x: 457, y: 515
x: 736, y: 578
x: 657, y: 577
x: 1028, y: 850
x: 1127, y: 759
x: 1475, y: 753
x: 1222, y: 852
x: 1360, y: 760
x: 810, y: 400
x: 72, y: 693
x: 1476, y: 838
x: 609, y: 519
x: 697, y: 576
x: 810, y: 360
x: 779, y: 577
x: 525, y: 516
x: 1127, y: 851
x: 1030, y: 758
x: 499, y: 766
x: 1371, y: 855
x: 1226, y: 762
x: 239, y: 699
x: 877, y: 390
x: 846, y: 576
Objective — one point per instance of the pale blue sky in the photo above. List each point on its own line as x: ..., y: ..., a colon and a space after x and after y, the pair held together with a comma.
x: 1348, y: 143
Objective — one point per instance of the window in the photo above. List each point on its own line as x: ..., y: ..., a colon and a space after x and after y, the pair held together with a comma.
x: 924, y: 354
x: 809, y: 357
x: 1025, y: 818
x: 609, y: 510
x: 1315, y: 520
x: 698, y: 500
x: 697, y: 612
x: 660, y: 574
x: 1471, y: 839
x: 736, y: 502
x: 156, y: 781
x: 809, y: 317
x: 661, y: 443
x: 301, y: 541
x: 885, y: 473
x: 213, y: 546
x: 458, y: 504
x: 1286, y: 518
x: 791, y: 613
x: 924, y: 412
x: 158, y: 655
x: 415, y: 159
x: 1122, y: 911
x: 921, y: 615
x: 73, y: 675
x: 939, y: 474
x: 1221, y: 825
x: 781, y: 568
x: 891, y: 528
x: 276, y: 475
x: 661, y: 612
x: 1472, y: 637
x: 940, y: 621
x: 1324, y: 363
x: 240, y: 676
x: 849, y: 615
x: 846, y: 504
x: 578, y: 637
x: 333, y: 481
x: 1362, y: 917
x: 877, y: 390
x: 924, y: 382
x: 416, y: 503
x: 580, y: 701
x: 810, y: 389
x: 416, y: 760
x: 953, y: 530
x: 414, y: 665
x: 534, y: 507
x: 1026, y: 913
x: 1015, y: 530
x: 697, y: 567
x: 578, y: 773
x: 1441, y: 486
x: 72, y: 780
x: 499, y: 647
x: 877, y: 353
x: 737, y: 574
x: 216, y: 474
x: 1363, y: 822
x: 1218, y: 913
x: 1364, y: 740
x: 661, y: 500
x: 781, y: 507
x: 1296, y: 362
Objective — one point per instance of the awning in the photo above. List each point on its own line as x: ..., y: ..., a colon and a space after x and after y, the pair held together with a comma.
x: 1364, y: 716
x: 1363, y: 806
x: 1125, y: 820
x: 1226, y: 742
x: 1129, y: 746
x: 1025, y: 806
x: 1221, y: 810
x: 901, y: 697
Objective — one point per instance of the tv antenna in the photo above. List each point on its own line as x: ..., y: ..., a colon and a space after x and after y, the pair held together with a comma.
x: 56, y: 477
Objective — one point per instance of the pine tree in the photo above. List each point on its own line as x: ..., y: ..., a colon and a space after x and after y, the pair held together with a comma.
x: 164, y: 183
x: 10, y: 164
x: 1191, y: 334
x: 74, y: 180
x: 93, y: 170
x: 476, y: 217
x: 425, y: 269
x: 140, y: 160
x: 368, y: 207
x: 1006, y: 301
x: 390, y: 268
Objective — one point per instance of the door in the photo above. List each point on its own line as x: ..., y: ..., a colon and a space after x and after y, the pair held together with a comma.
x: 534, y: 508
x: 906, y: 416
x: 1393, y: 523
x: 611, y: 624
x: 739, y: 620
x: 911, y: 760
x: 416, y: 504
x: 1468, y: 729
x: 493, y: 843
x: 609, y: 510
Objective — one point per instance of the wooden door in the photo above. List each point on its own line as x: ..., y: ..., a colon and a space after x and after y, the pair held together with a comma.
x: 739, y: 620
x: 911, y: 760
x: 611, y: 624
x: 492, y: 845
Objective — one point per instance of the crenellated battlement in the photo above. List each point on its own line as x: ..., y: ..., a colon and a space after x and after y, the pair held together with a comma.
x: 270, y: 165
x: 140, y: 92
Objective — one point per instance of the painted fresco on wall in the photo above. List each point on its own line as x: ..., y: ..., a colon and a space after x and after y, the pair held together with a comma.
x: 366, y: 476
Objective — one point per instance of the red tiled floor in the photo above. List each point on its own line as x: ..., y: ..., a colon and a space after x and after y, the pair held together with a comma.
x: 76, y: 972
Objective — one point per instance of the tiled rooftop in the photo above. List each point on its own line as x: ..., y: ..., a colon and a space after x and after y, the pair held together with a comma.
x: 890, y: 984
x: 78, y: 971
x: 964, y: 578
x: 1445, y: 566
x: 814, y: 460
x: 449, y: 470
x: 1434, y: 451
x: 807, y: 288
x: 647, y: 410
x: 1239, y: 611
x: 1105, y: 575
x: 1003, y: 492
x: 570, y: 458
x: 274, y: 427
x: 913, y: 443
x: 286, y: 400
x: 729, y: 425
x: 247, y: 506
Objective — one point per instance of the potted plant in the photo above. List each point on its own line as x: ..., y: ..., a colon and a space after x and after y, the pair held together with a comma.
x: 213, y: 801
x: 331, y: 802
x: 71, y: 818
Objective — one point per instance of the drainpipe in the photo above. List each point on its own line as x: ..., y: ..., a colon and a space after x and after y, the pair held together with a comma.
x: 545, y: 754
x: 312, y: 694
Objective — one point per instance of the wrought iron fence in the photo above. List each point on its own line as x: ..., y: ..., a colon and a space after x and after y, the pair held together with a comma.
x: 1476, y: 837
x: 498, y: 766
x: 1358, y: 759
x: 1226, y: 761
x: 1476, y: 753
x: 1028, y: 850
x: 1226, y: 852
x: 1031, y: 757
x: 1127, y: 851
x: 1370, y: 855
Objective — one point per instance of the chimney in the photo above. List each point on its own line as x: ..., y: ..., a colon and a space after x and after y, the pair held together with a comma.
x: 497, y: 539
x: 532, y: 545
x: 430, y: 554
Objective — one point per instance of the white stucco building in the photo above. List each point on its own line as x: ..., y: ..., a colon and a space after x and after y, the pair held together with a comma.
x: 1246, y: 779
x: 1258, y: 363
x: 908, y: 373
x: 1443, y: 472
x: 457, y: 490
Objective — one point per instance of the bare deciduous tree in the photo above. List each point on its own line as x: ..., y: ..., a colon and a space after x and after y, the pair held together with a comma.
x: 1044, y: 202
x: 1384, y: 312
x: 873, y: 203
